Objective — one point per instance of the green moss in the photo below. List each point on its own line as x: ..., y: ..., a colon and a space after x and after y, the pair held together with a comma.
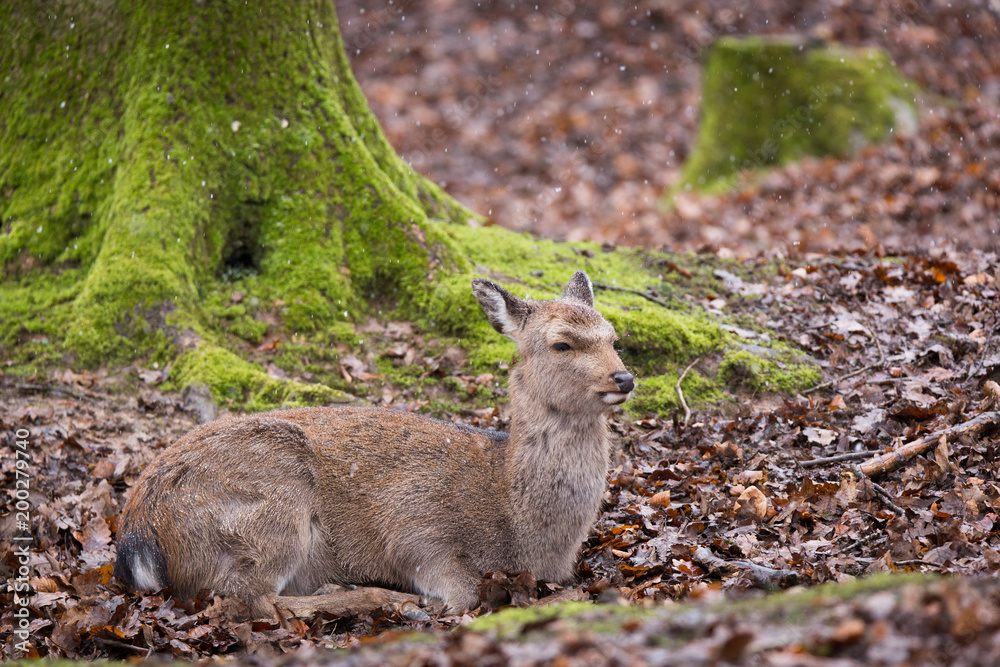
x: 509, y: 622
x: 234, y: 381
x: 769, y: 101
x: 658, y: 393
x: 233, y: 152
x: 34, y: 312
x: 767, y: 370
x: 790, y: 607
x: 488, y: 355
x: 160, y: 154
x: 656, y: 337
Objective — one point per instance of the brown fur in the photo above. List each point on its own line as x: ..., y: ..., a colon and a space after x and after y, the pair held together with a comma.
x: 281, y: 503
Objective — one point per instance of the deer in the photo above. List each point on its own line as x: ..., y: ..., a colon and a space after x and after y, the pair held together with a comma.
x: 273, y: 507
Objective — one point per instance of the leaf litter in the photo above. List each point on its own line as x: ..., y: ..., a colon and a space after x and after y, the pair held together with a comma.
x: 882, y: 267
x: 720, y: 506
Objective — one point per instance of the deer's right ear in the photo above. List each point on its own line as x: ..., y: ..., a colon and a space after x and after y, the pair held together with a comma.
x: 506, y: 312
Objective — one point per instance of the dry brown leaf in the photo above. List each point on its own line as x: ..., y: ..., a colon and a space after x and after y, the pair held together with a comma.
x: 104, y: 469
x: 941, y: 456
x: 660, y: 499
x: 752, y: 502
x: 44, y: 584
x: 991, y: 391
x: 849, y: 631
x: 848, y: 491
x: 882, y: 564
x: 820, y: 436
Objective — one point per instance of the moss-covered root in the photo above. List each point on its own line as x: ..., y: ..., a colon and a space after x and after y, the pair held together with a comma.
x: 768, y: 101
x: 153, y: 143
x: 762, y: 370
x: 234, y: 381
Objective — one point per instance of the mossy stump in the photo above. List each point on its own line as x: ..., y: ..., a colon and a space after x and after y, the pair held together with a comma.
x: 770, y: 101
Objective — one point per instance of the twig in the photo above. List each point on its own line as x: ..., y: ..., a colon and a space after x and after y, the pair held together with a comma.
x: 44, y: 389
x: 860, y: 542
x: 849, y: 456
x: 680, y: 394
x: 882, y: 494
x: 886, y: 463
x: 766, y: 577
x: 878, y: 344
x: 55, y: 389
x: 122, y: 645
x: 842, y: 378
x: 987, y: 346
x: 916, y: 562
x: 613, y: 288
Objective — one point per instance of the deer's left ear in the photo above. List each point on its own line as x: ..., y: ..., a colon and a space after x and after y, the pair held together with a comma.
x: 579, y: 289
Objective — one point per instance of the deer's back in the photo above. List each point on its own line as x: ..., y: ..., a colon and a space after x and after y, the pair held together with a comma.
x: 409, y: 482
x: 409, y: 485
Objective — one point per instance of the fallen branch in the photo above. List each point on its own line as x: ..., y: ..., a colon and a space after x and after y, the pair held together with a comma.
x: 357, y: 602
x: 890, y: 461
x: 880, y: 492
x: 763, y: 576
x: 849, y: 456
x: 626, y: 290
x: 104, y: 641
x: 915, y: 563
x: 680, y: 394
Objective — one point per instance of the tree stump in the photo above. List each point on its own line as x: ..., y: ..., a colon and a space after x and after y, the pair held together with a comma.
x: 770, y: 101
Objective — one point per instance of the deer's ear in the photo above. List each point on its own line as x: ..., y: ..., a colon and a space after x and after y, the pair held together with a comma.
x: 579, y: 289
x: 506, y: 312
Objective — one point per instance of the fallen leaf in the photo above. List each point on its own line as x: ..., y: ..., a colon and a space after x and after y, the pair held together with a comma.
x: 751, y: 502
x: 660, y: 499
x: 820, y: 436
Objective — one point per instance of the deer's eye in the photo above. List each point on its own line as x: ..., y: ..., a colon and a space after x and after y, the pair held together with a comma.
x: 561, y: 347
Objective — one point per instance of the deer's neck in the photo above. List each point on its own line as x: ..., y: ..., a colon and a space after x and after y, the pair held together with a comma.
x: 557, y: 466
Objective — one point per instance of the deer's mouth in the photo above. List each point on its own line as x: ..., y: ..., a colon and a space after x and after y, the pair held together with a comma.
x: 614, y: 397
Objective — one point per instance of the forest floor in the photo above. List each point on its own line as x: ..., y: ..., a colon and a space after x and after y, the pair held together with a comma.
x: 884, y: 267
x: 572, y: 121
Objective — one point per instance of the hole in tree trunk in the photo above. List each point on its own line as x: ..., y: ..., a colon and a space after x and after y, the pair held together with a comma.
x: 242, y: 253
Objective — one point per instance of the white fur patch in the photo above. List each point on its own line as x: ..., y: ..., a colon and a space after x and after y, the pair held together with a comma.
x: 145, y: 576
x: 615, y: 397
x: 283, y: 582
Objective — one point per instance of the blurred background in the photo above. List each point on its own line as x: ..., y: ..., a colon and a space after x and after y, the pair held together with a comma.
x: 572, y: 119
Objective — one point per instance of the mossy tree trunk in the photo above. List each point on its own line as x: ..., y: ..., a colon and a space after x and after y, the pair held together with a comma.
x: 180, y: 179
x: 149, y: 145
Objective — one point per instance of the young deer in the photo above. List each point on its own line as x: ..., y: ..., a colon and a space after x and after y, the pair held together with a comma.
x: 273, y: 506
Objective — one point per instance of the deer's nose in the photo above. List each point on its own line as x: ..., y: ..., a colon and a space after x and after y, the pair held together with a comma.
x: 624, y: 381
